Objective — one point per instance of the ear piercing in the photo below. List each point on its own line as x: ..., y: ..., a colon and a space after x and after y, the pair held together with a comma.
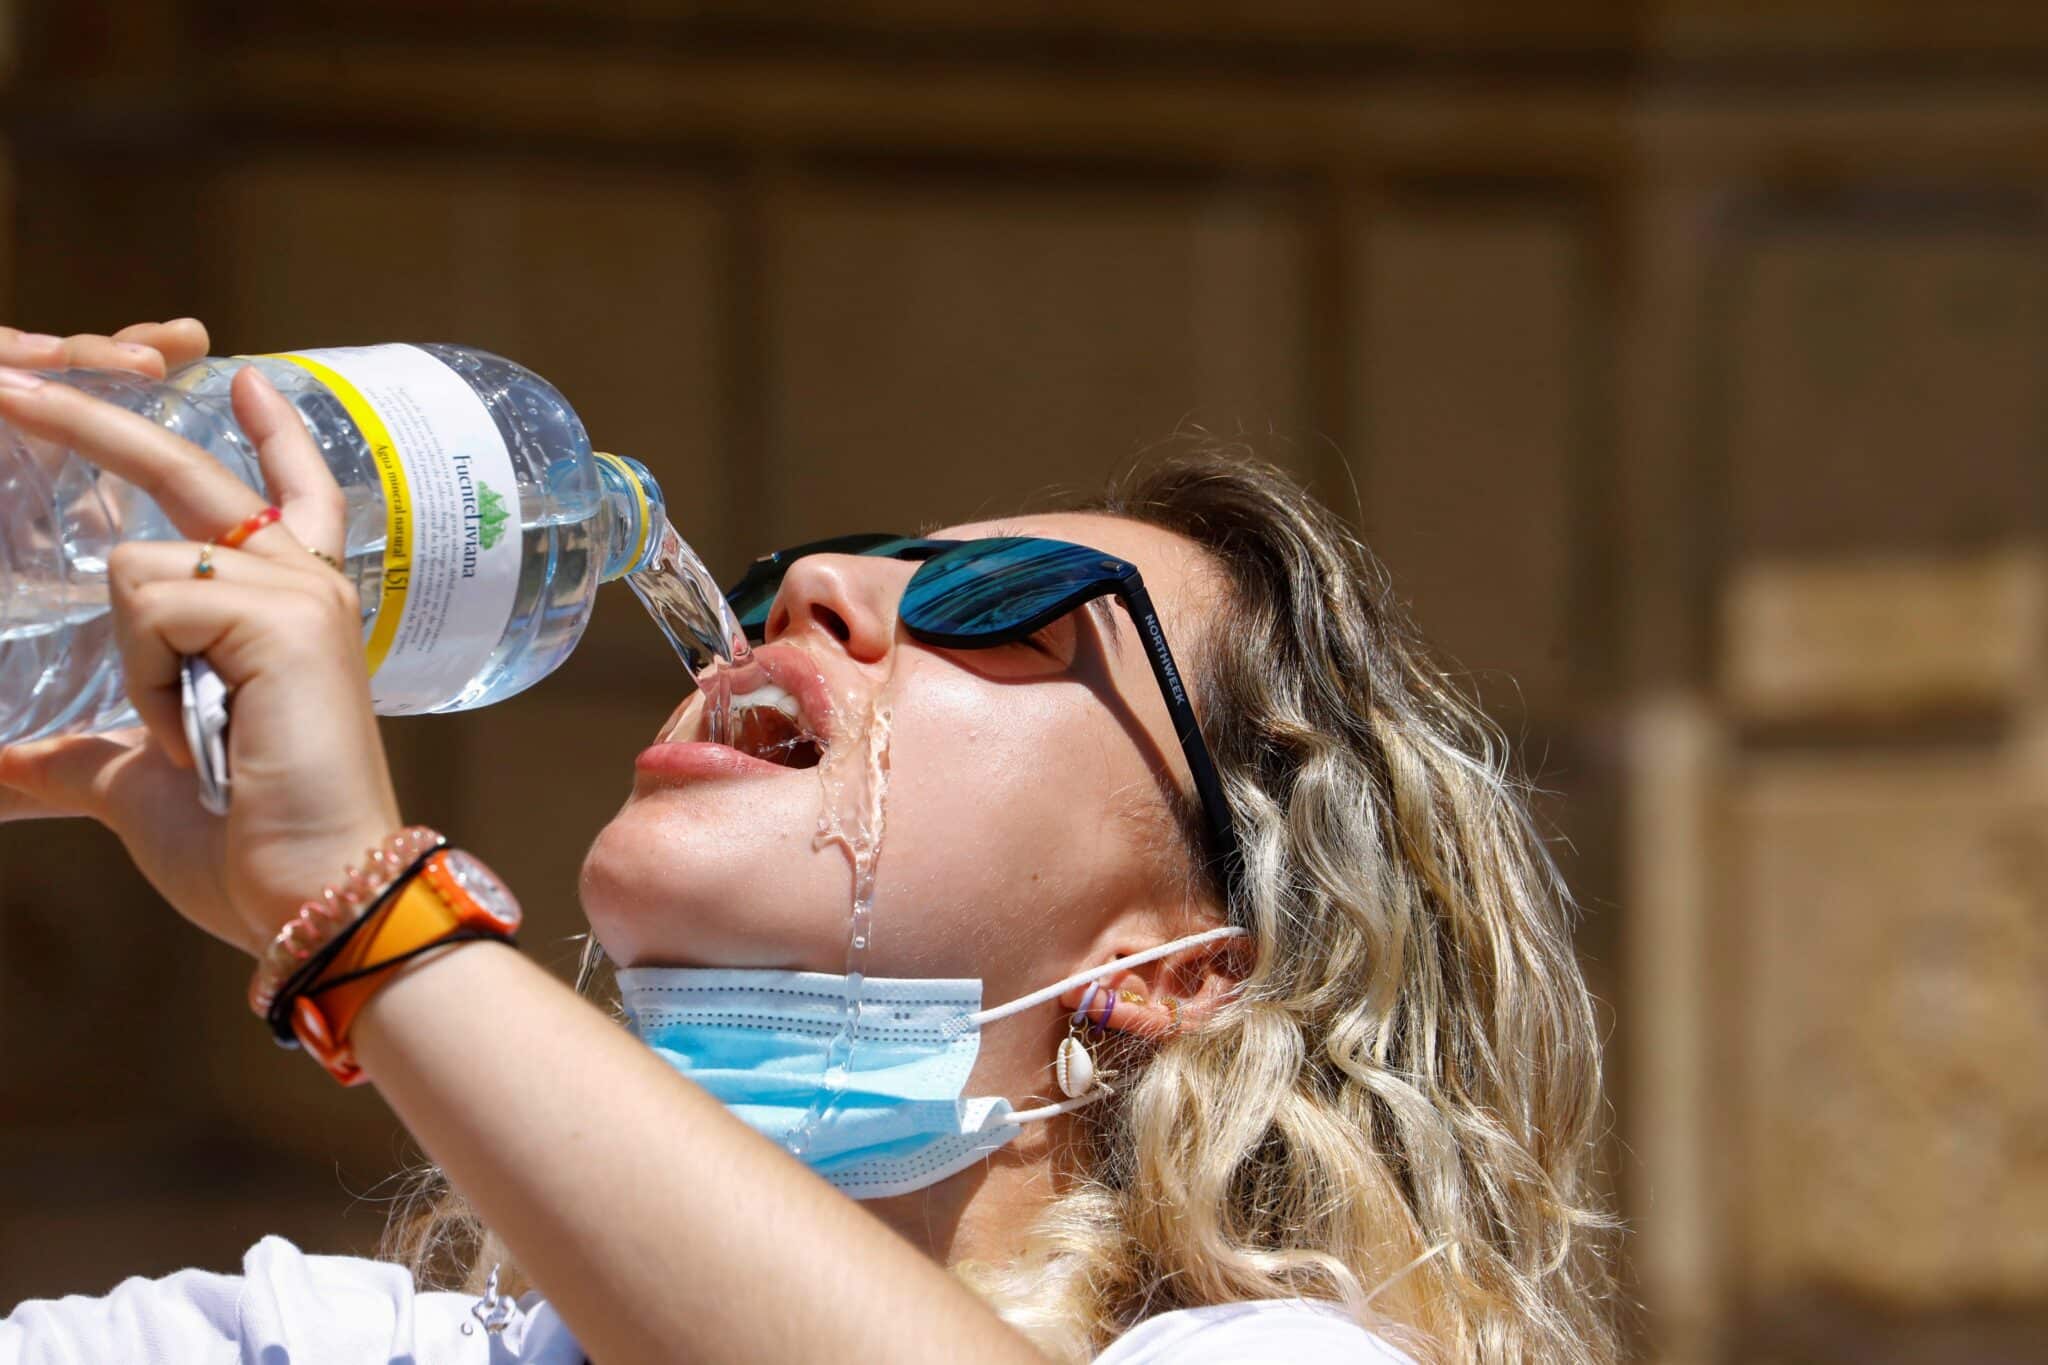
x: 1074, y: 1065
x: 1092, y: 1013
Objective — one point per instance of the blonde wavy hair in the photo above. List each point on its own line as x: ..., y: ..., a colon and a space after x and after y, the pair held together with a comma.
x: 1400, y: 1111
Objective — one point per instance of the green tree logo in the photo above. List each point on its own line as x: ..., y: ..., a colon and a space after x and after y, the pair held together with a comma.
x: 491, y: 515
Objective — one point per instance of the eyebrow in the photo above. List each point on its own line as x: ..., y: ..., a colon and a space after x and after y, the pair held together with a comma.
x: 1106, y: 618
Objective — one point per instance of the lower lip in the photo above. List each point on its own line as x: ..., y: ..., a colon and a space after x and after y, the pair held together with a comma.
x: 697, y: 759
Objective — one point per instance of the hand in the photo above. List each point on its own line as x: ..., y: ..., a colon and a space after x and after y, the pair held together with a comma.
x: 311, y: 788
x: 151, y: 348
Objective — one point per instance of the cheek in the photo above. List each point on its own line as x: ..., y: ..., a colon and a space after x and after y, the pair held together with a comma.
x: 1001, y: 825
x: 1005, y: 843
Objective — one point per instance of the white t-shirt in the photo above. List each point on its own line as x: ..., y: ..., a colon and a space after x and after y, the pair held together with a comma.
x: 288, y: 1308
x: 285, y: 1308
x: 1260, y: 1332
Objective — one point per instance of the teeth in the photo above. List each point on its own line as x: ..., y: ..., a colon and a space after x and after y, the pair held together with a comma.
x: 768, y: 694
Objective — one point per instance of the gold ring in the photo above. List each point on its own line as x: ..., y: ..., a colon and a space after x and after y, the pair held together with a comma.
x: 325, y: 558
x: 204, y: 568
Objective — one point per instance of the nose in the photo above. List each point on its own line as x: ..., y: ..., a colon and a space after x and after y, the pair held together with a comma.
x: 851, y: 598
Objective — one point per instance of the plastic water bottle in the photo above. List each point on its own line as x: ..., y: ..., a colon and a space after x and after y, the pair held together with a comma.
x: 480, y: 524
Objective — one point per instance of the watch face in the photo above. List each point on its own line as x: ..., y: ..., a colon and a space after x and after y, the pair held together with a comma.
x: 484, y: 885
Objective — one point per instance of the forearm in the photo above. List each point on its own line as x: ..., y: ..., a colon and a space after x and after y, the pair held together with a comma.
x: 660, y: 1226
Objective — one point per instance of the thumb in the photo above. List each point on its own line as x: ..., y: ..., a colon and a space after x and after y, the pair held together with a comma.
x: 15, y: 805
x: 93, y: 775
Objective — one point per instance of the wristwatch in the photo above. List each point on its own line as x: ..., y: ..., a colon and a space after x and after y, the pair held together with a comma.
x: 453, y: 898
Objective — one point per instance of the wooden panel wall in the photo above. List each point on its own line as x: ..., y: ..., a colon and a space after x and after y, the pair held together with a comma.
x: 1681, y: 359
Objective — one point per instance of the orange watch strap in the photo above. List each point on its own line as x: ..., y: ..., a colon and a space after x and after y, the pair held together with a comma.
x: 430, y: 907
x: 416, y: 916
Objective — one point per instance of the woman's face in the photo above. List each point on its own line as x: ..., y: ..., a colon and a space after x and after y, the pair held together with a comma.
x: 1025, y: 815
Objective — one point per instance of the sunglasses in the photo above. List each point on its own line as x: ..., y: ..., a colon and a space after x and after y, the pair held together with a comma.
x: 978, y: 594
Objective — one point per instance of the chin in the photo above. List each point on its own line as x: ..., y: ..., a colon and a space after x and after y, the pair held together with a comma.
x: 662, y: 892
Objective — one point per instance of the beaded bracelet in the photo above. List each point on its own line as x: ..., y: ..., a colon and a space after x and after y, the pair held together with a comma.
x: 308, y: 979
x: 321, y: 924
x: 445, y: 897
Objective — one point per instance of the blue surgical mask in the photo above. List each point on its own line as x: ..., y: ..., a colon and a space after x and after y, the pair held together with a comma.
x: 881, y: 1117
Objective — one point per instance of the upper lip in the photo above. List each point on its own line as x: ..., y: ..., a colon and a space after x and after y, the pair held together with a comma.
x: 780, y: 665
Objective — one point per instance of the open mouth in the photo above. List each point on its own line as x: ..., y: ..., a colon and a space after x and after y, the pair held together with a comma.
x: 777, y: 710
x: 767, y: 724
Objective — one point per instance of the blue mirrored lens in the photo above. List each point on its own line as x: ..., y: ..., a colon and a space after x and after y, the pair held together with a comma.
x: 994, y: 587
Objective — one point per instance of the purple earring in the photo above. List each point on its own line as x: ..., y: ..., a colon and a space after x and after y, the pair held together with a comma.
x: 1100, y: 1020
x: 1081, y: 1019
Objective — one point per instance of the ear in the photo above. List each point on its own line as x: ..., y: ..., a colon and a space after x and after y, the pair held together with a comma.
x: 1162, y: 999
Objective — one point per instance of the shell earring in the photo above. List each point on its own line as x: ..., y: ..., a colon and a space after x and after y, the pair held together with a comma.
x: 1074, y: 1065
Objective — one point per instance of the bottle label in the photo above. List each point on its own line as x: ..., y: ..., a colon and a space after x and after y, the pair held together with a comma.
x: 451, y: 519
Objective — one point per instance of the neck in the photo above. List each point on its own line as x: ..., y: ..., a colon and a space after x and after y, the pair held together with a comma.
x: 980, y: 1214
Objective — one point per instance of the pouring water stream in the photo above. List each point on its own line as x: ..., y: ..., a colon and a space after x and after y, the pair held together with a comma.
x: 687, y: 605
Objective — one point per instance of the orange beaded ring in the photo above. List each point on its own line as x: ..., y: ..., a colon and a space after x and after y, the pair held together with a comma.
x: 251, y: 524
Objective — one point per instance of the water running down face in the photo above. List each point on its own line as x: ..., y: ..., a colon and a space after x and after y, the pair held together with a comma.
x: 1027, y: 815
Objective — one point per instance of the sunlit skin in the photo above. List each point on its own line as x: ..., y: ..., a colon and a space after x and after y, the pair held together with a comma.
x: 652, y: 1216
x: 1025, y: 827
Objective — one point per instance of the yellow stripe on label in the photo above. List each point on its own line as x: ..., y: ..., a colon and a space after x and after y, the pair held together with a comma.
x: 398, y: 519
x: 639, y: 500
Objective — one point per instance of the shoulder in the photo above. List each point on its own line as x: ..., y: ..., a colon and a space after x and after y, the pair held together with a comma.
x: 1280, y: 1331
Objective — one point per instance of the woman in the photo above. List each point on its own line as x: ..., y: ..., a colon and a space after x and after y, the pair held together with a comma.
x: 1350, y: 1083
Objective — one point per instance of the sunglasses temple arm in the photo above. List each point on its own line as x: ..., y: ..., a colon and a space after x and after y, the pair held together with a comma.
x: 1208, y: 785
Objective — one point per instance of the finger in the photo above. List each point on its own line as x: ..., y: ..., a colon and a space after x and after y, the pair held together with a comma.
x: 160, y: 618
x: 293, y: 470
x: 161, y: 623
x: 155, y: 628
x: 200, y: 497
x: 134, y: 563
x: 19, y: 805
x: 179, y: 341
x: 30, y: 350
x: 85, y: 774
x: 89, y: 351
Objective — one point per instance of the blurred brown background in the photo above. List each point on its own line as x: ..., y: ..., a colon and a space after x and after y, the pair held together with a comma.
x: 1683, y: 359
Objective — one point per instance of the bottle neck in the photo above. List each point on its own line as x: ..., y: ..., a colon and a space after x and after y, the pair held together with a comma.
x: 634, y: 512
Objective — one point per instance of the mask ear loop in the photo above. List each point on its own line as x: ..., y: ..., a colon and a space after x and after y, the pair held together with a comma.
x: 1089, y: 978
x: 963, y: 1023
x: 1100, y: 1092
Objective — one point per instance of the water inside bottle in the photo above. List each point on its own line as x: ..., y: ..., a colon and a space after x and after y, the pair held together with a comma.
x: 690, y: 609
